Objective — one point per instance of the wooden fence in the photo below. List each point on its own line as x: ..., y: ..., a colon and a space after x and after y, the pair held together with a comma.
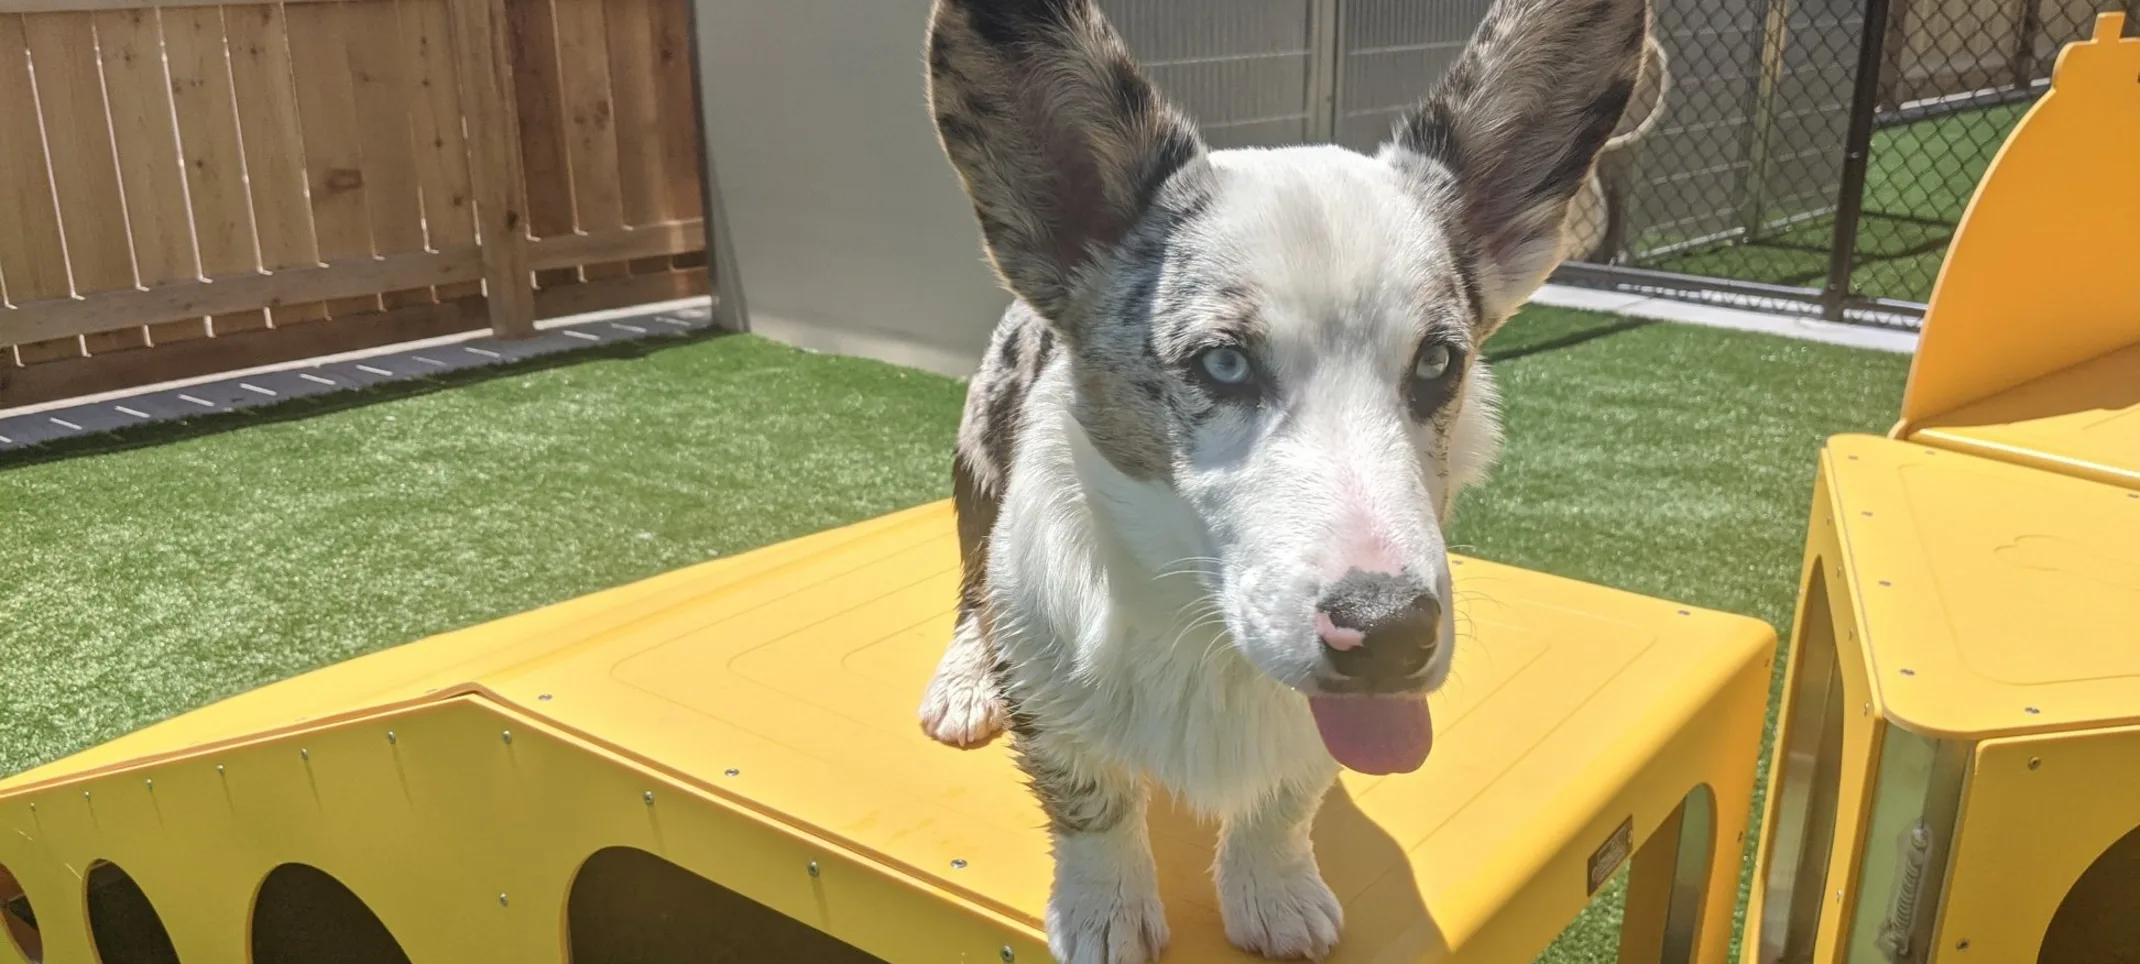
x: 190, y: 189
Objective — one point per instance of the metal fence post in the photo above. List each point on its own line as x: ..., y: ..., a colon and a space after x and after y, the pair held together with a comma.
x: 1857, y: 147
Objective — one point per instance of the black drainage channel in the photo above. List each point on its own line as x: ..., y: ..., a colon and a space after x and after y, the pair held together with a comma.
x: 268, y: 388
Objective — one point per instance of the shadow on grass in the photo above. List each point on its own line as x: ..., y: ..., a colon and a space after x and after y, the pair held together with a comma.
x: 310, y: 406
x: 1604, y: 329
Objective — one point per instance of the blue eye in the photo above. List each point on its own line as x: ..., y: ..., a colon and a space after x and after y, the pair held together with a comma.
x: 1434, y: 362
x: 1227, y: 366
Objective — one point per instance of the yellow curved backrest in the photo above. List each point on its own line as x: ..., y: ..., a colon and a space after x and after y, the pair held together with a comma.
x: 2044, y: 271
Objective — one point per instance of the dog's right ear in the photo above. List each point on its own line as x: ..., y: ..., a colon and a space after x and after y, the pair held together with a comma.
x: 1059, y: 140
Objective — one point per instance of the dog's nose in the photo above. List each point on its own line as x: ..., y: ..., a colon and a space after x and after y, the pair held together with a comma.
x: 1378, y: 625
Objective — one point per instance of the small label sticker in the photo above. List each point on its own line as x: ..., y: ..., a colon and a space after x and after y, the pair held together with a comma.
x: 1609, y: 855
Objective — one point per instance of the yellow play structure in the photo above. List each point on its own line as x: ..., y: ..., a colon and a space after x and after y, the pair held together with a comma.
x: 1957, y: 768
x: 722, y: 763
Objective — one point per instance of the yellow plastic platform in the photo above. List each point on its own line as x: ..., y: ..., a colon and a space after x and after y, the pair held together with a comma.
x: 1967, y: 662
x: 2031, y: 343
x: 649, y: 768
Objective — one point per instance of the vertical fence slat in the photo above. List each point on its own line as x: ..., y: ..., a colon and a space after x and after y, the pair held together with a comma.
x: 482, y: 47
x: 535, y: 88
x: 272, y: 140
x: 643, y: 183
x: 334, y: 158
x: 679, y: 112
x: 591, y: 139
x: 150, y: 172
x: 63, y: 52
x: 32, y: 263
x: 208, y: 135
x: 384, y: 98
x: 435, y: 127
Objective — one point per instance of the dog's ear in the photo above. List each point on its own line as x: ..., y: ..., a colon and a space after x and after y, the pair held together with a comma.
x: 1513, y: 128
x: 1059, y: 140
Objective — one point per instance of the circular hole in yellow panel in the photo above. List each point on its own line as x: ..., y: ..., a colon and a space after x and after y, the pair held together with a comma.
x: 2095, y: 923
x: 122, y: 921
x: 18, y: 919
x: 303, y: 915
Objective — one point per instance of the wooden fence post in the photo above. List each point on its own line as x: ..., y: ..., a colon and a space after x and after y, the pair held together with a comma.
x: 481, y: 45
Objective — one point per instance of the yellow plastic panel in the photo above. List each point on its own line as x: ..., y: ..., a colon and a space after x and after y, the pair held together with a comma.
x: 1819, y: 834
x: 773, y: 695
x: 2082, y: 421
x: 2039, y: 811
x: 2040, y: 274
x: 1993, y: 599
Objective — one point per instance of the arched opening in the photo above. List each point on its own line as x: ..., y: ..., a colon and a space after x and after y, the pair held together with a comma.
x: 630, y: 907
x: 303, y: 915
x: 18, y: 919
x: 122, y: 923
x: 2095, y: 924
x: 1806, y: 788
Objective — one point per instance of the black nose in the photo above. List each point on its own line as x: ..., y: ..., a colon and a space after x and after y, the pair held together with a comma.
x: 1387, y: 625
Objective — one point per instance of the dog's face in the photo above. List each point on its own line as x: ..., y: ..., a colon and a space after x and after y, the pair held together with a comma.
x: 1286, y: 342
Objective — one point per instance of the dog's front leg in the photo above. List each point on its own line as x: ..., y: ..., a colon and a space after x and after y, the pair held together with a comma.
x: 1271, y: 892
x: 1104, y: 907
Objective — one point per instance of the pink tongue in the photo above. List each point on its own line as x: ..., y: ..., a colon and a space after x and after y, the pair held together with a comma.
x: 1375, y: 734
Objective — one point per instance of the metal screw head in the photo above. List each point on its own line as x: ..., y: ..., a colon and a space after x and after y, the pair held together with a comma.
x: 958, y: 863
x: 813, y: 868
x: 648, y: 797
x: 390, y: 738
x: 1007, y: 954
x: 1962, y: 945
x: 732, y: 771
x: 1906, y: 671
x: 2035, y: 763
x: 2030, y: 710
x: 1868, y: 709
x: 1684, y: 612
x: 505, y: 736
x: 1884, y: 582
x: 503, y: 900
x: 304, y: 754
x: 85, y: 795
x: 219, y: 769
x: 33, y: 808
x: 149, y: 783
x: 545, y: 697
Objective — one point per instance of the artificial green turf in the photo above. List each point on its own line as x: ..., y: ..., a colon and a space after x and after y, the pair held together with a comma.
x: 1919, y: 178
x: 195, y: 562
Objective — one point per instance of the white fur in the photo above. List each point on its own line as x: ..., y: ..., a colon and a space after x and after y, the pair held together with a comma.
x: 1104, y: 908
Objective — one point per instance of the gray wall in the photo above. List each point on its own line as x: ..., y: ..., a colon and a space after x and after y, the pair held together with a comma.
x: 845, y: 229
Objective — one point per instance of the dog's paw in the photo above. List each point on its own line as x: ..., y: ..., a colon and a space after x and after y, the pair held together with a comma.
x: 1280, y: 910
x: 1106, y: 925
x: 961, y: 708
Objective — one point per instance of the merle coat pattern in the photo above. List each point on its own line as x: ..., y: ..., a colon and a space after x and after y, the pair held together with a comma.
x: 1205, y: 465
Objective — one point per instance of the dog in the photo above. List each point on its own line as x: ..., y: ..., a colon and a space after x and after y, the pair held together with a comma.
x: 1204, y: 467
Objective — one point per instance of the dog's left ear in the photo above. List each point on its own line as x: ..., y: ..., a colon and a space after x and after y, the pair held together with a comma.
x: 1507, y: 137
x: 1060, y: 142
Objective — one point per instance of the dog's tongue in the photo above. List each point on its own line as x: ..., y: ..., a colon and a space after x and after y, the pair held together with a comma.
x: 1375, y: 734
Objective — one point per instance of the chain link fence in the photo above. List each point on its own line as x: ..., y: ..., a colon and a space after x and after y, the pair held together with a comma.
x: 1810, y: 156
x: 1817, y: 154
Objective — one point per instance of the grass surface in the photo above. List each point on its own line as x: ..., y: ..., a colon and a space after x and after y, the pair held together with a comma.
x: 1918, y: 179
x: 195, y: 562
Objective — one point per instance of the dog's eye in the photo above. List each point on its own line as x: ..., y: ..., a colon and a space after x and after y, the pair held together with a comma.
x: 1226, y: 366
x: 1431, y: 384
x: 1434, y: 362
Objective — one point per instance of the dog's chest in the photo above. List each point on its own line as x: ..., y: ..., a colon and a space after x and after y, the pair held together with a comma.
x: 1189, y: 712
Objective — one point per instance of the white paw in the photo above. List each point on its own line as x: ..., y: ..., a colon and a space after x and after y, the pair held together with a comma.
x: 1124, y: 924
x: 962, y: 707
x: 1280, y: 910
